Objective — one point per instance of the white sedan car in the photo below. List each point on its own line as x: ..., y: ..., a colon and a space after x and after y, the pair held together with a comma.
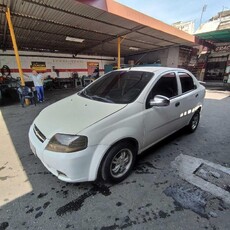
x: 98, y: 132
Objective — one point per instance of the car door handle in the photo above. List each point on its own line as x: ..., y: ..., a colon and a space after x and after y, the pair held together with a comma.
x: 197, y: 95
x: 177, y: 104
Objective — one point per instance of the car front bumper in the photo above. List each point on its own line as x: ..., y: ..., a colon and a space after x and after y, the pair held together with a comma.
x: 69, y: 167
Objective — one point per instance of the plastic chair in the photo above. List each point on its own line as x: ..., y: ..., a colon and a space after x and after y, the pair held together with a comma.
x: 24, y: 93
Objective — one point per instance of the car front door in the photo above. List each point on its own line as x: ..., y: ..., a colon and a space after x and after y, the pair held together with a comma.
x: 161, y: 121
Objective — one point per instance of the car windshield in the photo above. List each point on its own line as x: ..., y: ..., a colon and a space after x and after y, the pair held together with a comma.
x: 120, y: 87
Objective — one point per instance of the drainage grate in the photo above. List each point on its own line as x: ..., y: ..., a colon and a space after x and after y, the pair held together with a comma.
x: 214, y: 176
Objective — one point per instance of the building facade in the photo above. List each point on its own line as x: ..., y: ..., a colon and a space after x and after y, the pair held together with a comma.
x: 215, y: 62
x: 187, y: 27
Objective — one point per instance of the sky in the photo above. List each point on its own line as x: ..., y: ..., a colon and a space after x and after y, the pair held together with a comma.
x: 170, y: 11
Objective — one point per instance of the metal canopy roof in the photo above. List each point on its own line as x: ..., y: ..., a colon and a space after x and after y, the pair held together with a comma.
x: 44, y: 26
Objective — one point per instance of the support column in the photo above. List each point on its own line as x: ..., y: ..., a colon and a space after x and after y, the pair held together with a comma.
x: 118, y: 52
x: 15, y: 46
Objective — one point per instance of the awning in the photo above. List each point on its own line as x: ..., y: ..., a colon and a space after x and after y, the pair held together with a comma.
x: 216, y: 36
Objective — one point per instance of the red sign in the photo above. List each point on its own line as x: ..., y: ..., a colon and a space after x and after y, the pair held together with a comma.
x: 91, y: 66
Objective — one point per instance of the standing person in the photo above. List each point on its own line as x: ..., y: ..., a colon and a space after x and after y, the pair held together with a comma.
x: 95, y: 74
x: 96, y: 71
x: 38, y: 84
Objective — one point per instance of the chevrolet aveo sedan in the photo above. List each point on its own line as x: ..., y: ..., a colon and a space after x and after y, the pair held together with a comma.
x: 99, y: 131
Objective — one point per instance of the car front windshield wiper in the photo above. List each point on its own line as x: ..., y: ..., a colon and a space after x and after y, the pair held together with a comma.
x: 101, y: 99
x: 95, y: 97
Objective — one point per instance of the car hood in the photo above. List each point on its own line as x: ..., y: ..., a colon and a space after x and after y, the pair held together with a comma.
x: 73, y: 114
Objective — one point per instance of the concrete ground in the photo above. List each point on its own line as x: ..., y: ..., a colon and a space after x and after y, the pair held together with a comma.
x: 157, y: 195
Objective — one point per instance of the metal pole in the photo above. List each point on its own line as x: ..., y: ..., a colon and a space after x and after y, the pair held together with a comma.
x: 118, y: 52
x: 203, y: 9
x: 15, y: 46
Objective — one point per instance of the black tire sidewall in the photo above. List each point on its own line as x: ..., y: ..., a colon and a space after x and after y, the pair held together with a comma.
x: 190, y: 129
x: 105, y: 171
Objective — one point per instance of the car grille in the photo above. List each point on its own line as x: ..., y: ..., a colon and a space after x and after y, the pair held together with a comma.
x: 39, y: 134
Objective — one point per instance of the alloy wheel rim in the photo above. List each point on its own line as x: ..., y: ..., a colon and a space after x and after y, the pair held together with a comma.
x: 121, y: 163
x: 195, y: 121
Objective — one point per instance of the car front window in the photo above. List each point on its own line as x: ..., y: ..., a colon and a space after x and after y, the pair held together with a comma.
x: 120, y: 87
x: 166, y: 86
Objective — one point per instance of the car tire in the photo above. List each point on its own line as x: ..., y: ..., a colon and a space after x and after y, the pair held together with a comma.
x: 118, y: 162
x: 194, y: 122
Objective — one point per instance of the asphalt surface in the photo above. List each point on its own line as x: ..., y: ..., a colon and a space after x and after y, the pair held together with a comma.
x: 154, y: 196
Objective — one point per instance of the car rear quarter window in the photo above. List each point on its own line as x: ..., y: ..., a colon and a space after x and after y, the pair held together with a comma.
x: 187, y: 82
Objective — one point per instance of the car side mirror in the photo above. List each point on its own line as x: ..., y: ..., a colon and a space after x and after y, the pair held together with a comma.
x: 159, y: 100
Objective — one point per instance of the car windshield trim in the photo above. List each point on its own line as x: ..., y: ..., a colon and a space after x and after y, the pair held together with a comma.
x: 118, y: 87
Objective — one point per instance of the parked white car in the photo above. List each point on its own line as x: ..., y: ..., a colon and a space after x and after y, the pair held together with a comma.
x: 99, y: 131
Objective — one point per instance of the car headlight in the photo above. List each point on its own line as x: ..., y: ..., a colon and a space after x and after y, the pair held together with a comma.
x: 67, y: 143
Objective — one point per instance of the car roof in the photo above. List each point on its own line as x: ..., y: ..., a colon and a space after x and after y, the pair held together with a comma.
x: 153, y: 69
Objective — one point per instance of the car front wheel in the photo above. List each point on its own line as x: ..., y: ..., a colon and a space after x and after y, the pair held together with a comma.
x: 119, y: 162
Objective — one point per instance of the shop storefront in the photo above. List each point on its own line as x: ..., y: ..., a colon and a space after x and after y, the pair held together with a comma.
x: 217, y: 63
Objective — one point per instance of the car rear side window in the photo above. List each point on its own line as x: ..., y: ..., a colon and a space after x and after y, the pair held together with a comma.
x: 166, y: 86
x: 187, y: 82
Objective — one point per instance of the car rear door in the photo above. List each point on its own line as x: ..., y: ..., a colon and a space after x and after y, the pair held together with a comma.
x: 189, y: 97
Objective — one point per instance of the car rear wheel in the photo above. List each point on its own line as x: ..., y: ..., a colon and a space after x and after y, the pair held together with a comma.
x: 119, y: 162
x: 194, y: 122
